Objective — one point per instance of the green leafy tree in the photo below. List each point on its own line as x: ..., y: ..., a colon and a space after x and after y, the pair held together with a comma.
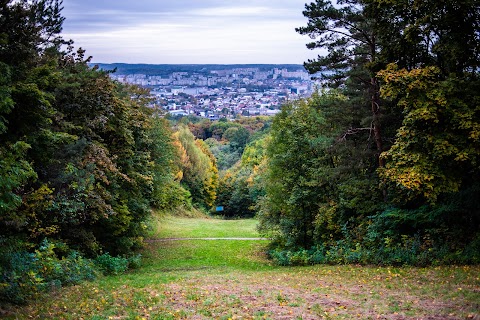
x: 430, y: 33
x: 237, y: 192
x: 200, y: 173
x: 167, y: 191
x: 424, y: 153
x: 86, y: 139
x: 82, y: 158
x: 301, y: 177
x: 29, y: 37
x: 431, y: 168
x: 436, y: 148
x: 238, y: 138
x: 225, y: 157
x: 15, y: 172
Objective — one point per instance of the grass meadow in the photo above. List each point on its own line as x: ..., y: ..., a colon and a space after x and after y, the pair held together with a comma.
x: 233, y: 279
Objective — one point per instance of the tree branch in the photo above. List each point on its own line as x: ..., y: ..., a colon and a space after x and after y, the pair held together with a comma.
x: 353, y: 131
x: 345, y: 34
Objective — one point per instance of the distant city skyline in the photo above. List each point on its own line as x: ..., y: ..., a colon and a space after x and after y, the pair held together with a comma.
x: 189, y: 31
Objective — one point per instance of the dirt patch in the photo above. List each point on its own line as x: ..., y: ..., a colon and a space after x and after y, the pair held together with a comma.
x: 274, y: 297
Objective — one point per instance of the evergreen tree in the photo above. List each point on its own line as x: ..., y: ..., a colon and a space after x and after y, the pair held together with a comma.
x: 349, y: 31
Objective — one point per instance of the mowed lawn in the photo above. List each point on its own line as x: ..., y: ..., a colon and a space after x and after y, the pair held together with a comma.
x: 174, y: 227
x: 232, y: 279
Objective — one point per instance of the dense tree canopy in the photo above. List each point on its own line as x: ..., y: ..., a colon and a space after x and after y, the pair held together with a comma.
x: 408, y: 74
x: 82, y: 158
x: 200, y: 173
x: 382, y: 166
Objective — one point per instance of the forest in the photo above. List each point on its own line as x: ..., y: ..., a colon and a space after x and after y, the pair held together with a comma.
x: 380, y: 166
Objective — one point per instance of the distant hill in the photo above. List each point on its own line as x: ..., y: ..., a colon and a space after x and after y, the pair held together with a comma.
x: 159, y: 69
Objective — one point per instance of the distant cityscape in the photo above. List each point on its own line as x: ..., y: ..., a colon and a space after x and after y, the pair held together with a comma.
x: 216, y: 91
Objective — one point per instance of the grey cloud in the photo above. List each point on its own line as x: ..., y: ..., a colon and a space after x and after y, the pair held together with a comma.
x: 156, y: 30
x: 85, y: 15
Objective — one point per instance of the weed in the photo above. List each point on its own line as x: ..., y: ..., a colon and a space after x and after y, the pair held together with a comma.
x: 282, y: 300
x: 193, y: 297
x: 205, y: 312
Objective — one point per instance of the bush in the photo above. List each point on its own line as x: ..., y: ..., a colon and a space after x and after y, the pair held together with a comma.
x: 24, y: 274
x: 291, y: 258
x: 111, y: 265
x: 407, y: 250
x: 135, y: 262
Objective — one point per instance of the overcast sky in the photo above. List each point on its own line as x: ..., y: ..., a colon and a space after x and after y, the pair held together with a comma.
x: 188, y: 31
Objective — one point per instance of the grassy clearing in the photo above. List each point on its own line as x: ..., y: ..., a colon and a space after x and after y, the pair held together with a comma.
x: 173, y: 227
x: 223, y: 279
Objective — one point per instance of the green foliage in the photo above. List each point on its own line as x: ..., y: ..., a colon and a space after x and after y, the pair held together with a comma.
x: 200, y: 173
x: 6, y: 102
x: 238, y: 138
x: 234, y: 194
x: 167, y: 193
x: 134, y: 261
x: 437, y: 146
x: 24, y: 274
x: 15, y: 171
x: 444, y: 34
x: 226, y: 157
x: 289, y: 258
x: 304, y: 174
x: 102, y: 181
x: 82, y: 157
x: 111, y: 265
x: 218, y: 128
x: 345, y: 31
x: 396, y: 179
x: 321, y: 207
x: 401, y: 251
x: 241, y: 187
x: 228, y: 139
x: 254, y: 154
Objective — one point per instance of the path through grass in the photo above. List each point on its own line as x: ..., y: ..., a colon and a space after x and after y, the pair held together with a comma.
x: 225, y: 279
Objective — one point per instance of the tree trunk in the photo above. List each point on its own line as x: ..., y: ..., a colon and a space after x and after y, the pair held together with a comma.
x: 377, y: 134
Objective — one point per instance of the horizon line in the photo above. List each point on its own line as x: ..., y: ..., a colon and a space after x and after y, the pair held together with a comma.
x: 196, y: 64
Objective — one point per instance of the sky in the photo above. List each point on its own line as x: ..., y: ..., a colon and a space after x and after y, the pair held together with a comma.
x: 188, y: 31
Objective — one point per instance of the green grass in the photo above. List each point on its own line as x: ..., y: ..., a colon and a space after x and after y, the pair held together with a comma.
x: 198, y: 254
x: 202, y: 254
x: 173, y: 227
x: 225, y: 279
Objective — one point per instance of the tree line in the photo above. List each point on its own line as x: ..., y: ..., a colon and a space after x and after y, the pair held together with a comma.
x: 83, y: 159
x: 382, y: 166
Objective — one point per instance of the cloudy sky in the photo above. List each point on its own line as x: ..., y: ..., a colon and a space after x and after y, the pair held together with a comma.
x: 188, y: 31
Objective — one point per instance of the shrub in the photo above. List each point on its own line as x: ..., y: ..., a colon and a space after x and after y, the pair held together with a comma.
x: 291, y: 258
x: 135, y: 262
x: 23, y: 274
x: 406, y: 250
x: 111, y: 265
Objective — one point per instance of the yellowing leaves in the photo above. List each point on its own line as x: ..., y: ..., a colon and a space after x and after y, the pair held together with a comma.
x: 198, y: 165
x: 436, y: 135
